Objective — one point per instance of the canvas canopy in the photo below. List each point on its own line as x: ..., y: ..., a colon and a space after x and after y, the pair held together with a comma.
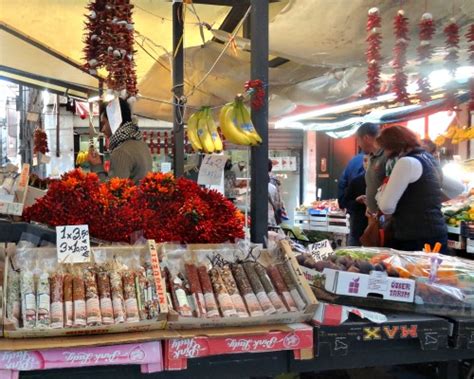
x: 324, y: 42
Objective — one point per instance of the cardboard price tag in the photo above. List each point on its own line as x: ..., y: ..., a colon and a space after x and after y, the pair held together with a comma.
x: 73, y: 244
x: 212, y: 169
x: 321, y: 250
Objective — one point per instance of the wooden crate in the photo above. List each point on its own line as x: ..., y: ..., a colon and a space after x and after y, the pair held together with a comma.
x: 148, y: 252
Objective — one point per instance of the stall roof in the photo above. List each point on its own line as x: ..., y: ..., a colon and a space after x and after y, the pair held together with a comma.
x: 25, y: 60
x: 320, y: 45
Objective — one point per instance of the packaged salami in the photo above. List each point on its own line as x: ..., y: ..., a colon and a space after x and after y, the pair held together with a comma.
x: 152, y: 302
x: 14, y: 298
x: 28, y: 299
x: 93, y: 315
x: 183, y: 307
x: 223, y: 298
x: 292, y: 286
x: 79, y: 299
x: 116, y: 288
x: 233, y: 291
x: 281, y: 287
x: 211, y: 305
x: 270, y: 289
x: 105, y: 296
x: 130, y: 296
x: 245, y: 288
x: 68, y: 300
x: 257, y: 286
x: 196, y: 290
x: 141, y: 287
x: 57, y: 300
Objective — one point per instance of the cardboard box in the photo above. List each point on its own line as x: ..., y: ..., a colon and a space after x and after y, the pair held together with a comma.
x: 176, y: 321
x: 146, y: 252
x: 145, y: 354
x: 296, y: 337
x: 377, y: 284
x: 334, y: 314
x: 33, y: 194
x: 15, y: 208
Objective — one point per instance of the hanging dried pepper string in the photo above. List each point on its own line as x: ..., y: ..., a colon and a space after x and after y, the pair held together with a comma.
x: 425, y: 53
x: 373, y: 57
x: 470, y: 41
x: 399, y: 61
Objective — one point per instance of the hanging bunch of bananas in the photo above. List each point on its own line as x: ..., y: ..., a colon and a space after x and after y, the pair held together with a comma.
x: 202, y: 132
x: 82, y: 157
x: 236, y: 124
x: 456, y: 134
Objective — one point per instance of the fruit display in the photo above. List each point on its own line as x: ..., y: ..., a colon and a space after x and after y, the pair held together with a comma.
x: 82, y: 157
x: 456, y: 134
x: 458, y: 210
x: 236, y: 124
x: 202, y: 132
x: 444, y: 284
x: 322, y: 206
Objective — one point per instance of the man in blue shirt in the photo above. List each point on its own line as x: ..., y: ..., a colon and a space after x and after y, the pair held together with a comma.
x: 354, y: 168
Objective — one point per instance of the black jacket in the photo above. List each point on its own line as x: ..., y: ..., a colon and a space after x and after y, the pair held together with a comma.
x: 355, y: 209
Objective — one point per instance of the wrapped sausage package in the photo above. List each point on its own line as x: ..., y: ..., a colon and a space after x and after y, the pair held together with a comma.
x: 232, y: 285
x: 120, y: 290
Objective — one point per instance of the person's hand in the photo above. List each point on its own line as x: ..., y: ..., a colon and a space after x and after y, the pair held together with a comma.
x: 362, y: 199
x: 370, y: 214
x: 94, y: 157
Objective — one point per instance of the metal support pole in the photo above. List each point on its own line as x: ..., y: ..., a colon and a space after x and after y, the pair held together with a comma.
x: 58, y: 144
x: 21, y: 108
x: 259, y: 158
x: 178, y: 87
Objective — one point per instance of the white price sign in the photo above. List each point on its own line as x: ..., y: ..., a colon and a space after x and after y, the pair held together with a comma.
x: 321, y: 250
x: 73, y: 245
x: 212, y: 170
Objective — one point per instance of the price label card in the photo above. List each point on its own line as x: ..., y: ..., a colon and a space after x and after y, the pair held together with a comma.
x: 165, y: 167
x: 212, y: 169
x: 73, y: 245
x: 321, y: 250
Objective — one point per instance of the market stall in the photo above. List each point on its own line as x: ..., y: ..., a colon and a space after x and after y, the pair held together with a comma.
x: 161, y: 276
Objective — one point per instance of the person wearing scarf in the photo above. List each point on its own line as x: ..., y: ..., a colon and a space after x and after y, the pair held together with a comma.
x: 130, y: 156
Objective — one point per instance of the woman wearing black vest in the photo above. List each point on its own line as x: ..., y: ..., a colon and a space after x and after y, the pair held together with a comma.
x: 412, y: 194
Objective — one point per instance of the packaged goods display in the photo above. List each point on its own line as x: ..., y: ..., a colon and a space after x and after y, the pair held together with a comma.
x: 424, y: 282
x: 222, y: 285
x: 115, y: 292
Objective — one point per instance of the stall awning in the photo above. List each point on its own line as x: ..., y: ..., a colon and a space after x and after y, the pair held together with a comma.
x: 26, y: 61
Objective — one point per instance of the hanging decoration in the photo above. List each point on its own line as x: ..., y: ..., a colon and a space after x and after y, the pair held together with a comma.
x: 451, y: 32
x: 425, y: 53
x: 166, y: 143
x: 152, y: 142
x: 158, y: 143
x: 373, y: 57
x: 40, y: 142
x: 109, y: 44
x: 256, y: 91
x: 400, y: 57
x: 470, y: 41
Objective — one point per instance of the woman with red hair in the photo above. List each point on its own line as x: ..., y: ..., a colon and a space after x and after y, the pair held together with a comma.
x: 413, y: 193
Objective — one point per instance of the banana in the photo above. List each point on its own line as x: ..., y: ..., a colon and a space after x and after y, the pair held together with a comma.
x: 248, y: 126
x: 211, y: 126
x: 193, y: 132
x: 229, y: 126
x: 204, y: 134
x: 79, y: 158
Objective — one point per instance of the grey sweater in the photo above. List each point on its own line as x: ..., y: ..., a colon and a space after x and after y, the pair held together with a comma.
x: 374, y: 177
x: 132, y: 159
